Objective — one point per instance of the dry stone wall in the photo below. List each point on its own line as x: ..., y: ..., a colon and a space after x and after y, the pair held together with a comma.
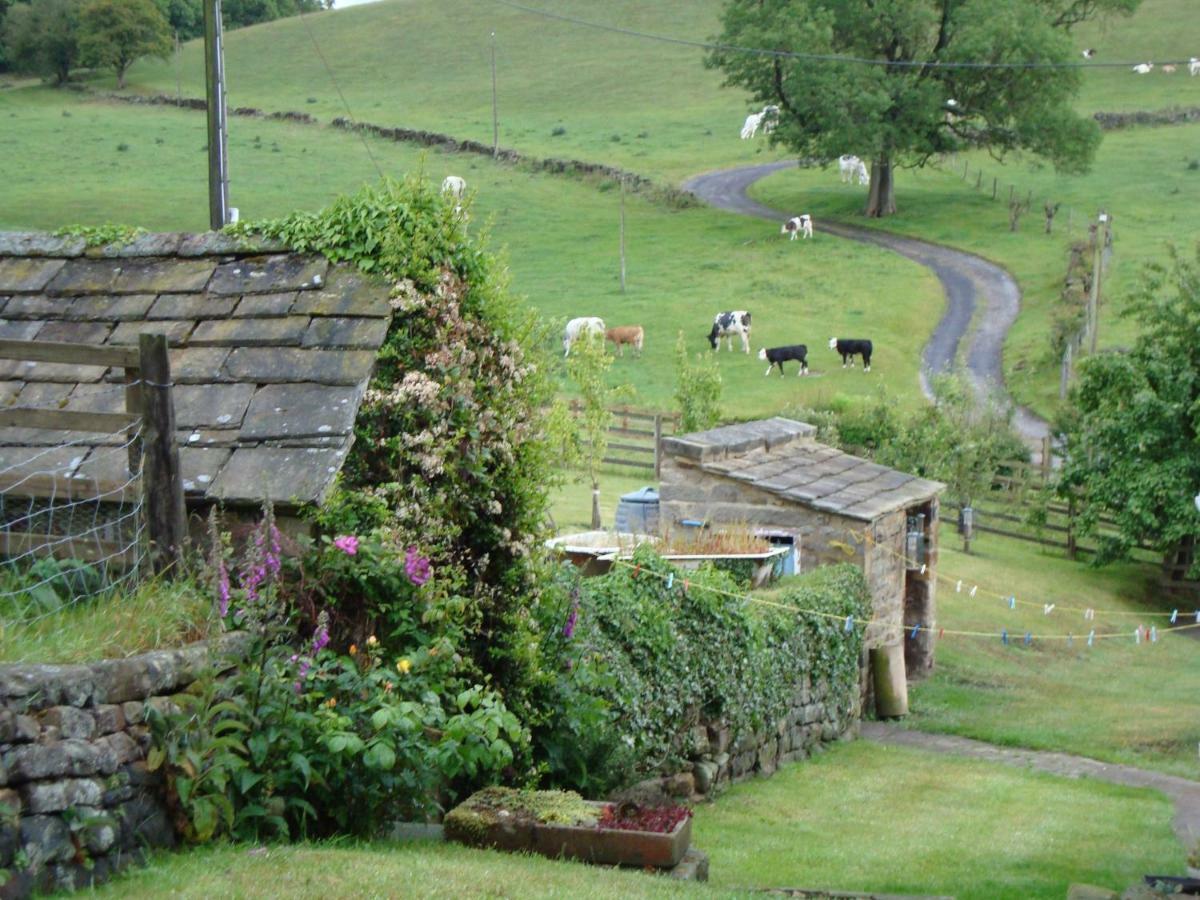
x: 819, y: 713
x: 76, y: 799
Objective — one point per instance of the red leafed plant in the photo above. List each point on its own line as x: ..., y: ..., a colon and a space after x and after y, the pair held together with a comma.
x: 632, y: 817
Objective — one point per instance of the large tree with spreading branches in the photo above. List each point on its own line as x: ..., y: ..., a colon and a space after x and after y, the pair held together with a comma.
x: 897, y: 82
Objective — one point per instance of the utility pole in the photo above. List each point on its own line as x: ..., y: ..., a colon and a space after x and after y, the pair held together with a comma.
x: 622, y: 234
x: 1094, y: 298
x: 214, y: 79
x: 178, y: 83
x: 495, y: 114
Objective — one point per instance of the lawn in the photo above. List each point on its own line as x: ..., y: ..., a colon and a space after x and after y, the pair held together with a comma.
x: 558, y: 235
x: 858, y: 817
x: 871, y: 818
x: 1117, y: 701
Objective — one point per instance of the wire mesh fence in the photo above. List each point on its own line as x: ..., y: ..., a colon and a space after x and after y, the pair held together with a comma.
x: 72, y: 524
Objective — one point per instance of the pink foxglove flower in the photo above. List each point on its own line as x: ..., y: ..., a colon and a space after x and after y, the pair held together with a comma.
x: 416, y: 567
x: 347, y: 543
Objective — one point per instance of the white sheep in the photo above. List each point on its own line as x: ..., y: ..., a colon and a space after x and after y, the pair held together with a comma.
x: 454, y: 186
x: 1143, y: 68
x: 1194, y: 66
x: 765, y: 119
x: 851, y: 167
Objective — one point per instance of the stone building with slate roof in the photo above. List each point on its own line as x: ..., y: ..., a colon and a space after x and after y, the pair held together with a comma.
x: 772, y: 473
x: 270, y: 354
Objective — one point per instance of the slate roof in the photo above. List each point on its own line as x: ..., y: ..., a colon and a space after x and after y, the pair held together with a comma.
x: 270, y: 355
x: 780, y: 456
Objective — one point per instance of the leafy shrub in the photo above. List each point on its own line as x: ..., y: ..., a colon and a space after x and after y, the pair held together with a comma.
x: 312, y: 742
x: 448, y: 439
x: 697, y: 389
x: 664, y: 658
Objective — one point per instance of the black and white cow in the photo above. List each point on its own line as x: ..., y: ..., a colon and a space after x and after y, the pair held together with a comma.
x: 798, y: 226
x: 726, y: 325
x: 851, y: 347
x: 777, y: 356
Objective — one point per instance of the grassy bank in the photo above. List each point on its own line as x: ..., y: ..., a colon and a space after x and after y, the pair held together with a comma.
x: 859, y: 817
x: 559, y: 237
x: 1117, y: 701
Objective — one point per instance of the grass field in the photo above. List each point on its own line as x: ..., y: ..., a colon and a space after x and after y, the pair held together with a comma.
x: 1143, y: 178
x: 559, y: 237
x: 859, y: 817
x: 652, y: 107
x: 1117, y: 701
x: 649, y: 106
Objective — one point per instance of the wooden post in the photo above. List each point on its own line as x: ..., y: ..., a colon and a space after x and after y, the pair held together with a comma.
x: 495, y: 108
x: 657, y: 446
x: 218, y: 159
x: 1047, y: 455
x: 133, y: 406
x: 622, y: 234
x: 1094, y: 296
x: 162, y: 481
x: 978, y: 179
x: 1072, y: 548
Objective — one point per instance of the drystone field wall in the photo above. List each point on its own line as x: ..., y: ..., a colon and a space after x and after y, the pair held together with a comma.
x: 76, y: 799
x: 820, y: 713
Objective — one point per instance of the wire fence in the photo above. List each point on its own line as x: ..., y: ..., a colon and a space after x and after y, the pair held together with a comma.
x: 72, y: 524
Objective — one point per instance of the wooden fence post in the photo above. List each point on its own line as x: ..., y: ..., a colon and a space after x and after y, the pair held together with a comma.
x: 162, y: 481
x: 1072, y: 548
x: 657, y: 446
x: 1046, y: 456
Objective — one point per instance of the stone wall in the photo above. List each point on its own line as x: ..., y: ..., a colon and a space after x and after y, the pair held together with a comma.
x: 76, y: 799
x: 819, y: 713
x: 689, y: 492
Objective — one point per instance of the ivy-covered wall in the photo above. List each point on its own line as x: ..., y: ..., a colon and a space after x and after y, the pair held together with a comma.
x: 700, y: 683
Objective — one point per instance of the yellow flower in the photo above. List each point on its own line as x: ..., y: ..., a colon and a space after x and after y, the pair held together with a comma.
x: 372, y: 641
x: 433, y: 651
x: 402, y: 666
x: 331, y: 702
x: 354, y: 649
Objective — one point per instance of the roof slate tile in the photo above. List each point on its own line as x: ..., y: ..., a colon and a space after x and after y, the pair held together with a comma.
x: 269, y: 274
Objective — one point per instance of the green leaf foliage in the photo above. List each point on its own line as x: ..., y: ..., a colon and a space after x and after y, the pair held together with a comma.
x: 641, y: 663
x: 113, y: 34
x: 42, y: 38
x: 1132, y: 434
x: 895, y: 109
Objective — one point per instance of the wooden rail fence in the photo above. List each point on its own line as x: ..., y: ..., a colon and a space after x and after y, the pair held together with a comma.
x: 638, y: 434
x: 148, y: 403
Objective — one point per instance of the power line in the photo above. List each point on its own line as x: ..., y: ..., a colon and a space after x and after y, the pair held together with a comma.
x: 821, y: 57
x: 337, y: 87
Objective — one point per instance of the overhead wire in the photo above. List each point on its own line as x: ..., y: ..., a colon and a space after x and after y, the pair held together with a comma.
x: 337, y: 87
x: 817, y: 57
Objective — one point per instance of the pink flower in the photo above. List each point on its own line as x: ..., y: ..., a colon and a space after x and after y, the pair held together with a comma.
x: 347, y: 543
x: 416, y: 567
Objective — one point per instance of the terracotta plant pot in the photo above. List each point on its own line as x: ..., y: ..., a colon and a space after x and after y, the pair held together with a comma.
x: 614, y: 847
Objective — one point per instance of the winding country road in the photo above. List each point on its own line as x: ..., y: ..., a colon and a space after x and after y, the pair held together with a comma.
x: 966, y: 280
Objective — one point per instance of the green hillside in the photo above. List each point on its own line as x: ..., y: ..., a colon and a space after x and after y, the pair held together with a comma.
x: 559, y: 235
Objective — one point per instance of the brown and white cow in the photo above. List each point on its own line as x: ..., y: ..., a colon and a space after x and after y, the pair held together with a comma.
x: 798, y: 225
x: 626, y: 334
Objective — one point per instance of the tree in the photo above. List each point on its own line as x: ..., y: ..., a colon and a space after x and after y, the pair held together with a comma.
x: 904, y: 106
x: 1132, y: 433
x: 41, y: 38
x: 697, y: 389
x: 115, y: 33
x: 588, y: 367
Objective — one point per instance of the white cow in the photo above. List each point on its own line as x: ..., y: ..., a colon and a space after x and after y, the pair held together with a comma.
x: 851, y: 167
x: 1143, y: 68
x: 577, y: 328
x: 800, y: 225
x: 454, y: 186
x: 764, y: 119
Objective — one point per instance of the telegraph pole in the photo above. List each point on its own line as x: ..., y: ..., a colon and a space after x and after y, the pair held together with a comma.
x: 495, y: 113
x: 214, y: 79
x: 1097, y: 270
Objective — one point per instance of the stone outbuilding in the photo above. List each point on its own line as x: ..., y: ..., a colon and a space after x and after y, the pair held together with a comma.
x: 773, y: 474
x: 270, y: 354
